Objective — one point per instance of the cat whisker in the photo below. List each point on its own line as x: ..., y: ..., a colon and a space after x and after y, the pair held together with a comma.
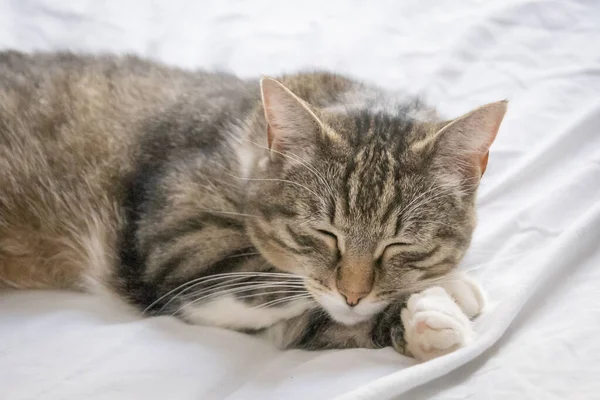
x: 284, y: 181
x: 409, y: 215
x: 422, y: 200
x: 225, y: 212
x: 425, y: 193
x: 213, y: 277
x: 285, y: 299
x: 233, y: 175
x: 302, y: 162
x: 422, y: 285
x: 242, y: 255
x: 228, y: 285
x: 210, y: 297
x: 290, y: 292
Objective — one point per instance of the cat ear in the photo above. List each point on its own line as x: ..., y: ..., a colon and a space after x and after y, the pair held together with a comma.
x: 464, y: 143
x: 290, y: 121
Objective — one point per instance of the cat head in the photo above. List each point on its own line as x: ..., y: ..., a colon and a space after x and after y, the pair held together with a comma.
x: 366, y: 205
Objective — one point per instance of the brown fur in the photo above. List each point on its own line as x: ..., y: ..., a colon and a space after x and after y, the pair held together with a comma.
x: 66, y: 135
x: 150, y: 181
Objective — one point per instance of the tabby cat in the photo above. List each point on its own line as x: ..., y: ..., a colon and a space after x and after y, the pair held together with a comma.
x: 314, y: 209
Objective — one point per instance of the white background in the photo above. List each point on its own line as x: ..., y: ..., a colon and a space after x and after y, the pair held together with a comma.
x: 536, y: 251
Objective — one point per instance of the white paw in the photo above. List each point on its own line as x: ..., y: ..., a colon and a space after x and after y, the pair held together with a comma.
x: 434, y: 324
x: 467, y: 293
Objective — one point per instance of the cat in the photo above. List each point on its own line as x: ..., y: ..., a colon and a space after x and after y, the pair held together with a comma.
x: 314, y: 209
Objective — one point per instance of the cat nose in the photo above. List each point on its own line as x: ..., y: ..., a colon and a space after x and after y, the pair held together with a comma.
x: 355, y: 278
x: 352, y: 298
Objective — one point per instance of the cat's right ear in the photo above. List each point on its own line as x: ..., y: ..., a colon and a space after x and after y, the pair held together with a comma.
x: 291, y: 125
x: 464, y: 143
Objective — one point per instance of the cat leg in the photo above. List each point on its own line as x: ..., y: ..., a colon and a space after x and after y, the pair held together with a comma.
x: 467, y: 293
x: 430, y: 324
x: 433, y: 325
x: 437, y: 321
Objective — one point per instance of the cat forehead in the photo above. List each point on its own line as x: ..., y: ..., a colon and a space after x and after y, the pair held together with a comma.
x: 378, y: 131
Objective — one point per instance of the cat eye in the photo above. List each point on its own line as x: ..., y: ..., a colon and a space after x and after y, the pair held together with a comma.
x: 329, y: 237
x: 329, y: 234
x: 397, y: 245
x: 393, y: 247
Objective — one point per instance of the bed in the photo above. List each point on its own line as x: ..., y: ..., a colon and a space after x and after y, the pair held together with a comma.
x: 536, y: 249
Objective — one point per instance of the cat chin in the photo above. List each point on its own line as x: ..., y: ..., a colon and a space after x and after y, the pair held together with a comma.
x: 340, y: 312
x: 349, y: 318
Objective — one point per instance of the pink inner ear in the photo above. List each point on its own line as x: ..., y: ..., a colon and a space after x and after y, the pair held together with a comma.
x: 269, y: 117
x: 484, y: 162
x: 269, y: 136
x: 494, y: 132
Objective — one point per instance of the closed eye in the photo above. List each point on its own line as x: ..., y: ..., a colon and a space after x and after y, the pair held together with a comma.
x: 328, y: 236
x: 419, y: 259
x: 392, y: 248
x: 396, y: 246
x: 333, y: 240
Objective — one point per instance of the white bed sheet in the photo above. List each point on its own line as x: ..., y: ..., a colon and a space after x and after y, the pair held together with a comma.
x: 536, y: 250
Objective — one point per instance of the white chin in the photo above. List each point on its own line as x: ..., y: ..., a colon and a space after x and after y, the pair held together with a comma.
x: 342, y: 313
x: 347, y: 318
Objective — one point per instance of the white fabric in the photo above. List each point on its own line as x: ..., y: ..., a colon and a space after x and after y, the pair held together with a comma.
x: 536, y: 250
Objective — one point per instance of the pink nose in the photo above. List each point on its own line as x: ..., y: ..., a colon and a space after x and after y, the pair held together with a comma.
x: 352, y: 298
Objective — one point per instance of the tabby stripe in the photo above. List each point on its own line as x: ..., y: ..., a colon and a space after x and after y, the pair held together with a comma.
x: 168, y: 266
x: 271, y: 211
x: 345, y: 185
x: 303, y: 240
x: 196, y: 224
x: 439, y: 269
x: 386, y: 329
x: 317, y: 324
x: 228, y: 263
x: 415, y: 257
x: 332, y: 210
x: 267, y: 236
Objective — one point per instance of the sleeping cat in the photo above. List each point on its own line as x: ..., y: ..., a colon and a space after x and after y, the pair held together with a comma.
x: 317, y: 210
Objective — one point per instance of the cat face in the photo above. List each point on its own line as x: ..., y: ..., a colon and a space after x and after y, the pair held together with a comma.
x: 367, y: 206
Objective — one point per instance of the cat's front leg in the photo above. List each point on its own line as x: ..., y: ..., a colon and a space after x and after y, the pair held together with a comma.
x: 430, y: 324
x: 437, y: 321
x: 433, y: 324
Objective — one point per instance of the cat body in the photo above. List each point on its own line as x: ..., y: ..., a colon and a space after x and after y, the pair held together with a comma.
x: 309, y: 208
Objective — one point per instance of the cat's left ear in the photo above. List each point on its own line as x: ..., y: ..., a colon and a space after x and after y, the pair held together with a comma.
x: 464, y: 143
x: 291, y: 125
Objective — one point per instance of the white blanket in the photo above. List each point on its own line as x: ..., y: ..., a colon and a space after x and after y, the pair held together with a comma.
x: 536, y: 250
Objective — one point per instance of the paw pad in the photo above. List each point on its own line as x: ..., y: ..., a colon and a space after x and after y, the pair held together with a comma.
x: 434, y: 324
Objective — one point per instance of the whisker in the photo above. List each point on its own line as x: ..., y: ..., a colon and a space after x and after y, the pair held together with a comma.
x: 227, y: 285
x: 285, y: 299
x: 242, y: 255
x: 232, y: 291
x: 284, y: 181
x: 429, y: 190
x: 243, y: 288
x: 249, y: 296
x: 230, y: 284
x: 225, y: 212
x: 422, y: 285
x: 204, y: 279
x: 302, y: 162
x: 422, y: 200
x: 233, y: 175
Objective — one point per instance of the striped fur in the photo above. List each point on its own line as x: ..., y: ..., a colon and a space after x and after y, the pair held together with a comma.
x: 298, y: 207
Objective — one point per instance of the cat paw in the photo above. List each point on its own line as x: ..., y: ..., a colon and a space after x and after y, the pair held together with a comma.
x: 467, y: 293
x: 434, y: 324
